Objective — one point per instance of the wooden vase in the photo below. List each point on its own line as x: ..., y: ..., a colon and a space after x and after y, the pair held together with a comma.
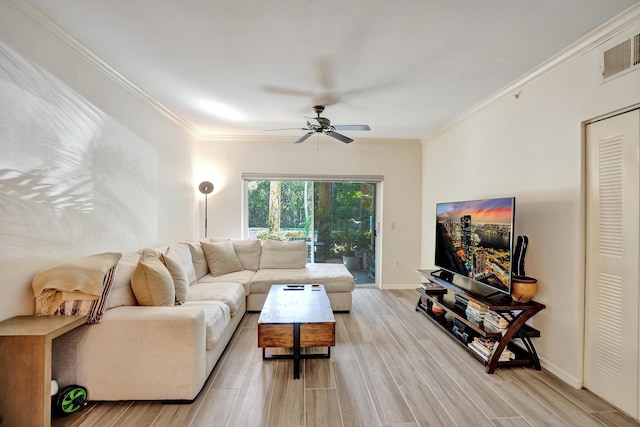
x: 523, y: 289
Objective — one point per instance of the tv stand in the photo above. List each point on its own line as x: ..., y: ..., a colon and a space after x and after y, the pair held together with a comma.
x: 493, y: 294
x: 517, y: 329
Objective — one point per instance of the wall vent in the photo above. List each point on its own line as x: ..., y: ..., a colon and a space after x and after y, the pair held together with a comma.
x: 621, y: 58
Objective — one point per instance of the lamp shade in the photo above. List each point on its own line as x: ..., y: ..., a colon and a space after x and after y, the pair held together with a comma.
x: 205, y: 187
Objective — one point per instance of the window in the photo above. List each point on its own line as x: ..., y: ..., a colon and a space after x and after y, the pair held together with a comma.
x: 336, y: 218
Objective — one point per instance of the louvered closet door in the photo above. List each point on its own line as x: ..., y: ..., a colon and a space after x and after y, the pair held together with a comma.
x: 611, y: 327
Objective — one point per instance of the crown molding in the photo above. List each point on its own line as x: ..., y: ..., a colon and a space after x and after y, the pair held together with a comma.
x: 601, y: 34
x: 37, y: 16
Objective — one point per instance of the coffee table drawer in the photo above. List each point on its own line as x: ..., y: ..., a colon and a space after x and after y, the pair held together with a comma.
x: 270, y: 335
x: 311, y: 335
x: 318, y: 334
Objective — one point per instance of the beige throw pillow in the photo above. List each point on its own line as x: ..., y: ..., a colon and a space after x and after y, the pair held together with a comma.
x: 248, y: 252
x: 277, y: 254
x: 172, y: 261
x: 183, y: 253
x: 198, y: 259
x: 221, y: 257
x: 151, y: 281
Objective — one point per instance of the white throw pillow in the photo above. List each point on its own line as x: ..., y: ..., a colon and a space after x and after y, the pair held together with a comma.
x: 121, y: 292
x: 183, y: 253
x: 221, y: 257
x: 278, y: 254
x: 248, y: 252
x: 172, y: 261
x: 151, y: 281
x: 198, y: 259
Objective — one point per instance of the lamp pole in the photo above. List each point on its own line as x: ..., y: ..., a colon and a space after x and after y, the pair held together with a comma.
x: 205, y: 188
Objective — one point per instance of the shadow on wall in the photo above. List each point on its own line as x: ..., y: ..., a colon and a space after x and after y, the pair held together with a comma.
x: 72, y: 179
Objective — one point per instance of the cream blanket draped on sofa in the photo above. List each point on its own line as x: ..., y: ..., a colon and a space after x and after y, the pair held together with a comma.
x: 76, y: 286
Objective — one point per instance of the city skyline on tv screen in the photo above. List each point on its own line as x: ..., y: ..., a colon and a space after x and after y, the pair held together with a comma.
x: 474, y: 239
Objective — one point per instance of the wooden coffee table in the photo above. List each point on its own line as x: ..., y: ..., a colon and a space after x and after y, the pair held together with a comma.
x: 296, y: 316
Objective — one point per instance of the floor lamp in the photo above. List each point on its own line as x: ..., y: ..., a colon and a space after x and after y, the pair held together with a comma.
x: 205, y: 188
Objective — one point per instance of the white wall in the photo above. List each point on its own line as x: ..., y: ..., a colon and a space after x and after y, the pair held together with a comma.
x: 86, y: 166
x: 532, y: 148
x: 399, y: 161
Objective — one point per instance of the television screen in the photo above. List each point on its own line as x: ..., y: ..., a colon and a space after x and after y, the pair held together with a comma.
x: 474, y: 239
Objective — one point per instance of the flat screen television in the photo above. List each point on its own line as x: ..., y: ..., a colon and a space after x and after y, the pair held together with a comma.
x: 474, y: 239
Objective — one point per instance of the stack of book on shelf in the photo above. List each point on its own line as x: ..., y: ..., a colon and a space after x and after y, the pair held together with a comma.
x: 494, y: 322
x: 461, y: 331
x: 484, y: 348
x: 475, y: 312
x: 432, y: 287
x: 461, y: 302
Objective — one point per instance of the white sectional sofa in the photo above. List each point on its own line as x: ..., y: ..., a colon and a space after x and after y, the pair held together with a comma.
x: 150, y: 345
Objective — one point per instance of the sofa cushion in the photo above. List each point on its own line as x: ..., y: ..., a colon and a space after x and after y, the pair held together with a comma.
x: 216, y: 318
x: 121, y: 292
x: 243, y: 277
x: 248, y: 252
x: 151, y: 281
x: 198, y: 259
x: 334, y: 277
x: 172, y: 261
x: 283, y: 254
x: 221, y: 257
x: 229, y: 293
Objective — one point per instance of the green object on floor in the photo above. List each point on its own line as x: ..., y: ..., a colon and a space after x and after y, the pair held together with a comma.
x: 70, y: 399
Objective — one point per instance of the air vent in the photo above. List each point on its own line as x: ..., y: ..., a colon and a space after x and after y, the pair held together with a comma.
x: 621, y: 58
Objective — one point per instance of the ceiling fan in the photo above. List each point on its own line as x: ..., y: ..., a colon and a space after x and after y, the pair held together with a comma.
x: 323, y: 125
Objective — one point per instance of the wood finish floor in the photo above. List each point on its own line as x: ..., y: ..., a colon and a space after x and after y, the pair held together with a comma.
x: 390, y: 367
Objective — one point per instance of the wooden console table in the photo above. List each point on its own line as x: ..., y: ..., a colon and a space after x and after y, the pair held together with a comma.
x: 520, y: 313
x: 25, y: 367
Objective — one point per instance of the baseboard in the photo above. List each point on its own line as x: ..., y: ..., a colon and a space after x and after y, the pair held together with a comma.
x: 561, y: 374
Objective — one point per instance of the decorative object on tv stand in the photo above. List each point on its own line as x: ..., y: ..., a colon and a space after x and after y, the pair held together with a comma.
x: 523, y: 288
x: 205, y: 188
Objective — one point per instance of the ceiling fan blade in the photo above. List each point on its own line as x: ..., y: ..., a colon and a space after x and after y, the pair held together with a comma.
x: 338, y: 136
x: 288, y: 91
x: 304, y: 137
x: 312, y: 121
x: 269, y: 130
x: 352, y: 127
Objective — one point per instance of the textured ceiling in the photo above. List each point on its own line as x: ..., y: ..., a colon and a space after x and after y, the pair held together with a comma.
x: 403, y: 67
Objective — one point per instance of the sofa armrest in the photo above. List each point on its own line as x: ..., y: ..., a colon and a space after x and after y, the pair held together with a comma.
x: 136, y: 353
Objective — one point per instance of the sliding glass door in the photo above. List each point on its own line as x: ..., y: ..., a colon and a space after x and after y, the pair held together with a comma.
x: 335, y: 218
